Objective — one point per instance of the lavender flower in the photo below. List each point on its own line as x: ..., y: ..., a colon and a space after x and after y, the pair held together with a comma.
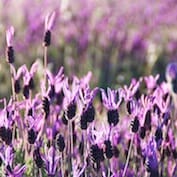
x: 9, y: 40
x: 49, y: 21
x: 88, y: 112
x: 28, y: 76
x: 16, y: 75
x: 112, y: 105
x: 55, y: 82
x: 70, y: 97
x: 151, y: 81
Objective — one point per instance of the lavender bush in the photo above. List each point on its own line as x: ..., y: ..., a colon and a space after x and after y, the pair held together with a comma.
x: 116, y: 36
x: 54, y: 125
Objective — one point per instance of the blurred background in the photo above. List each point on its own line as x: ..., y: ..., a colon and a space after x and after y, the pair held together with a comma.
x: 116, y: 40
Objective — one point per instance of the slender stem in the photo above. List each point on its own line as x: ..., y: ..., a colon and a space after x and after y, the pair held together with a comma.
x: 12, y: 83
x: 62, y: 164
x: 70, y: 146
x: 109, y: 172
x: 85, y: 149
x: 13, y: 98
x: 71, y: 136
x: 45, y: 66
x: 71, y: 143
x: 128, y: 156
x: 175, y: 170
x: 40, y: 172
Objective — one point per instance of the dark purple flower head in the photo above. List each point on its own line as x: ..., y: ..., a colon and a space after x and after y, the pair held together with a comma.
x: 158, y: 136
x: 60, y: 142
x: 96, y: 153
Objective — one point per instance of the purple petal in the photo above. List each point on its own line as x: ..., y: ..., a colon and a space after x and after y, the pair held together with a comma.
x: 9, y: 36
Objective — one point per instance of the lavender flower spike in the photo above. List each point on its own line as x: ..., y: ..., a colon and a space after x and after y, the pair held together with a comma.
x: 151, y: 81
x: 49, y: 21
x: 10, y: 50
x: 112, y: 104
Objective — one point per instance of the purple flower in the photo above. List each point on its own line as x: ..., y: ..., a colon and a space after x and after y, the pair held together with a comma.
x: 35, y: 125
x: 51, y: 160
x: 10, y: 51
x: 17, y: 171
x: 111, y: 100
x: 151, y: 81
x: 16, y: 75
x: 88, y: 111
x: 112, y: 103
x: 9, y: 36
x: 55, y: 82
x: 129, y: 92
x: 29, y: 74
x: 70, y: 96
x: 7, y: 155
x: 7, y: 120
x: 49, y: 21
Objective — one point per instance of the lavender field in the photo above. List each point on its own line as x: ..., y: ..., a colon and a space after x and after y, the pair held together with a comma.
x: 88, y: 88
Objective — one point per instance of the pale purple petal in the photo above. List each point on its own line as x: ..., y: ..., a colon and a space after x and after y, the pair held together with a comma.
x: 9, y: 36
